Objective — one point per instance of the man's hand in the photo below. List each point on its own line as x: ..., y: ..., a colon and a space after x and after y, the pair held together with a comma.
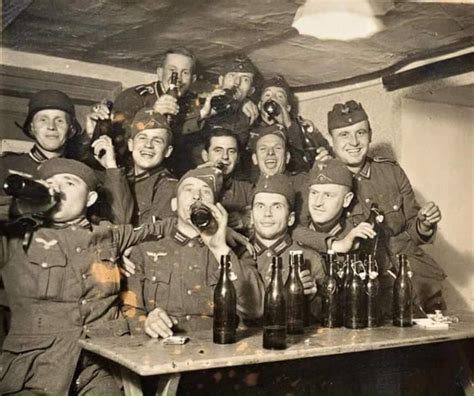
x: 322, y: 154
x: 104, y: 152
x: 428, y: 216
x: 250, y: 109
x: 127, y: 267
x: 345, y: 245
x: 206, y: 110
x: 308, y: 282
x: 159, y: 324
x: 166, y: 104
x: 99, y: 111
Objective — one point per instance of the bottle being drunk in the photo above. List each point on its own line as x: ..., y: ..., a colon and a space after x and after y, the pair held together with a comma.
x: 222, y: 103
x: 201, y: 215
x: 355, y: 299
x: 274, y: 310
x: 173, y: 90
x: 103, y: 127
x: 225, y: 306
x: 295, y: 299
x: 272, y: 109
x: 331, y: 309
x: 402, y: 295
x: 372, y: 287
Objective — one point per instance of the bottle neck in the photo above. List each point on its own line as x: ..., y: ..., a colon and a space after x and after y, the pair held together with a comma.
x: 331, y: 265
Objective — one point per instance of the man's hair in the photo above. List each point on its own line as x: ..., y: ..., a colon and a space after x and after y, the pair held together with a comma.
x: 219, y: 132
x: 181, y: 51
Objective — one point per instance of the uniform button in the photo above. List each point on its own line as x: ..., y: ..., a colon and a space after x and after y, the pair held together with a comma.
x: 74, y: 228
x: 189, y: 292
x: 395, y: 207
x: 83, y: 301
x: 153, y: 278
x: 269, y: 254
x: 190, y: 244
x: 188, y: 317
x: 78, y: 250
x: 84, y: 276
x: 44, y: 265
x: 190, y: 267
x: 359, y: 178
x: 367, y: 200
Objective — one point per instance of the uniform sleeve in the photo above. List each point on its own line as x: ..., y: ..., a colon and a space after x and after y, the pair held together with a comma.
x: 119, y: 195
x: 410, y: 209
x: 192, y: 122
x: 133, y: 306
x: 128, y: 103
x: 317, y: 267
x: 316, y: 240
x: 161, y: 206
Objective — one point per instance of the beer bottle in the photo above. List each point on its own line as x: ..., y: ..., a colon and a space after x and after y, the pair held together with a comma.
x: 274, y: 310
x: 201, y: 215
x: 272, y: 109
x: 222, y: 103
x: 372, y: 287
x: 295, y: 299
x: 331, y: 309
x: 301, y: 264
x: 225, y: 306
x: 173, y: 90
x: 309, y: 145
x: 103, y: 127
x: 355, y: 299
x: 402, y: 295
x: 370, y: 246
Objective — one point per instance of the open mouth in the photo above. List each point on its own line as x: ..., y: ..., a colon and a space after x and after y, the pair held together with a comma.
x: 354, y: 151
x: 271, y: 163
x: 147, y: 154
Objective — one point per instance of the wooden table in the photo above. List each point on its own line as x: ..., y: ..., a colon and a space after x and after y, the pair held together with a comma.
x: 147, y: 357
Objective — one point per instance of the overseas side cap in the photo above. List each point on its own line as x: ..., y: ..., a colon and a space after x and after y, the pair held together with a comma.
x: 56, y: 166
x: 331, y: 171
x: 346, y: 114
x: 276, y: 184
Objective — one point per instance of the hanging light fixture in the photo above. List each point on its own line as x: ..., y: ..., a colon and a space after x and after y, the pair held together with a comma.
x: 340, y: 19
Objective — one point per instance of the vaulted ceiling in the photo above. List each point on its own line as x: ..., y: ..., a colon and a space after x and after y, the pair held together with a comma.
x: 134, y: 34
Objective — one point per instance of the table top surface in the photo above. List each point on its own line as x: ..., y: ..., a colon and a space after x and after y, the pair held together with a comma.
x: 147, y: 356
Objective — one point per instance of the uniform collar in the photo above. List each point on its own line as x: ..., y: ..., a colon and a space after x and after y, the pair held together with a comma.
x: 277, y: 248
x: 83, y: 223
x: 365, y: 172
x: 146, y: 174
x: 37, y: 155
x: 332, y: 228
x: 183, y: 239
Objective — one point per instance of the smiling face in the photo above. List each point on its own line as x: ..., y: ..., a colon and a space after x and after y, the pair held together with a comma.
x: 50, y: 129
x: 271, y: 155
x: 189, y: 191
x: 222, y: 150
x: 75, y: 197
x: 181, y: 64
x: 242, y: 81
x: 326, y: 201
x: 351, y: 144
x: 149, y: 148
x: 271, y: 215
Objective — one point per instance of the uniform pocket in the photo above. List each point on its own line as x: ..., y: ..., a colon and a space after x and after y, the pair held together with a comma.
x: 394, y: 220
x: 49, y: 272
x: 156, y: 290
x: 18, y: 360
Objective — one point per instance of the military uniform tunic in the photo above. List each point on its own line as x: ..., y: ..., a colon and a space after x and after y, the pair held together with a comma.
x: 64, y: 286
x: 178, y: 274
x: 383, y: 182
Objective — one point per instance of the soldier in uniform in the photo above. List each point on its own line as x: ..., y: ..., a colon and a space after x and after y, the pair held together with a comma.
x: 222, y: 149
x: 172, y: 289
x: 62, y: 281
x: 301, y: 145
x: 406, y: 225
x: 150, y: 186
x: 272, y: 217
x: 328, y: 196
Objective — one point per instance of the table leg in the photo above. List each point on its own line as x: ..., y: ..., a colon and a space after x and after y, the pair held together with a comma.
x: 168, y: 384
x: 131, y: 382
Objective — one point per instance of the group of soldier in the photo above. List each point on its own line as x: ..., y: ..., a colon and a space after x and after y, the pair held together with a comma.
x: 118, y: 252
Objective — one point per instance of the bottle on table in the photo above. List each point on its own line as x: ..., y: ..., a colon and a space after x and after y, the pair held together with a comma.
x: 302, y: 265
x: 225, y: 306
x: 355, y: 298
x: 295, y: 298
x: 402, y: 309
x: 274, y: 310
x: 372, y: 288
x: 173, y: 90
x: 331, y: 308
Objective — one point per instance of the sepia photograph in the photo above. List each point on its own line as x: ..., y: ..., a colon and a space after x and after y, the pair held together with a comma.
x: 252, y: 197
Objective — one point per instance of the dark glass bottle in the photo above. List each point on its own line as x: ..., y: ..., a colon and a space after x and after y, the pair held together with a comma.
x: 402, y: 295
x: 295, y: 299
x: 225, y: 306
x: 224, y: 102
x: 103, y: 127
x: 301, y: 264
x: 331, y: 309
x: 201, y: 215
x: 355, y: 300
x: 370, y: 246
x: 173, y: 91
x: 272, y: 109
x: 274, y: 310
x: 309, y: 145
x: 372, y: 287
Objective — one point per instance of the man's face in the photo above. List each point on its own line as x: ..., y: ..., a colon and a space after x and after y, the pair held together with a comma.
x: 223, y: 150
x: 278, y: 95
x: 271, y: 215
x: 181, y: 64
x: 149, y: 148
x: 50, y: 128
x: 351, y: 143
x: 242, y: 81
x: 326, y: 201
x: 271, y: 155
x: 191, y: 190
x: 74, y: 197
